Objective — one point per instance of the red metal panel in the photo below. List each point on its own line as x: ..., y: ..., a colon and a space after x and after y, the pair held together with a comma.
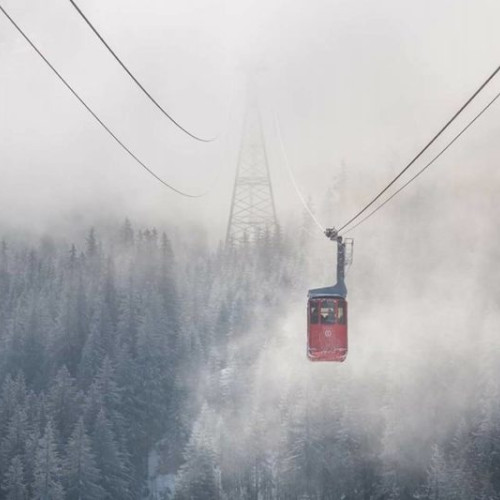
x: 327, y: 337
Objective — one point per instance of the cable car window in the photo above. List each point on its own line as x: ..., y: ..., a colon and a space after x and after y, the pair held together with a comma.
x: 341, y: 313
x: 328, y: 312
x: 314, y: 311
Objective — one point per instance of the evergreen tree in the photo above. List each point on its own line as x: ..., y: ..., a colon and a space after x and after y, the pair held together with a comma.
x: 13, y: 396
x: 64, y: 403
x: 14, y: 482
x: 128, y: 321
x: 104, y: 395
x: 48, y: 468
x: 71, y: 328
x: 199, y: 476
x: 13, y: 443
x: 93, y: 353
x: 111, y: 463
x: 127, y: 234
x: 81, y: 477
x: 30, y: 459
x: 92, y: 244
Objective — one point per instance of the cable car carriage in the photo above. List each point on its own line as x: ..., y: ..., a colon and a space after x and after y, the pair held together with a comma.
x: 327, y: 312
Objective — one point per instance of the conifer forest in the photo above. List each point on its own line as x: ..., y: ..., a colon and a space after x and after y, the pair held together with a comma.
x: 141, y: 365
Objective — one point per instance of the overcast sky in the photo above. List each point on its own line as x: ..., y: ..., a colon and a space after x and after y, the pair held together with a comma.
x: 363, y: 84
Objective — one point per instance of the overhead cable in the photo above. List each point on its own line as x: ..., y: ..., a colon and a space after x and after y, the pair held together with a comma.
x: 292, y: 177
x: 422, y: 151
x: 136, y: 81
x: 421, y: 171
x: 103, y: 125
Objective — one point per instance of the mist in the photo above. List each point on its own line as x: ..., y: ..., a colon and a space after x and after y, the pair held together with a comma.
x: 204, y: 344
x: 350, y: 83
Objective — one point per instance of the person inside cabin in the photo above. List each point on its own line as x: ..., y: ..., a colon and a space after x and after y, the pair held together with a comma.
x: 328, y: 312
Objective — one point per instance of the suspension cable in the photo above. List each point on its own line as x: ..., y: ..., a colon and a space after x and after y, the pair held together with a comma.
x: 448, y: 123
x: 421, y: 171
x: 292, y: 177
x: 103, y: 125
x: 136, y: 81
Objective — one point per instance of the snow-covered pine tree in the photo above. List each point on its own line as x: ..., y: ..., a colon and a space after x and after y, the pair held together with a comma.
x: 14, y: 481
x: 48, y: 468
x: 198, y: 477
x: 81, y: 477
x: 14, y: 441
x: 115, y: 474
x: 64, y: 403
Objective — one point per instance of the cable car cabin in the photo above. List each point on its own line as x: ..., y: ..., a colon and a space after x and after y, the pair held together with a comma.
x: 327, y: 328
x: 327, y: 312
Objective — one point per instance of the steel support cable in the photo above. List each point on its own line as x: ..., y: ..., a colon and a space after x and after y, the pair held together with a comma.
x: 103, y: 125
x: 428, y: 145
x: 136, y: 81
x: 292, y: 177
x: 421, y: 171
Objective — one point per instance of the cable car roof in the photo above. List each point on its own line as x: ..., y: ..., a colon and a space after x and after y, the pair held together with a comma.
x: 338, y: 290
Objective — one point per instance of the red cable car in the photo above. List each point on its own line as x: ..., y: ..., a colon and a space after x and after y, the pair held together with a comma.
x: 327, y: 328
x: 327, y: 314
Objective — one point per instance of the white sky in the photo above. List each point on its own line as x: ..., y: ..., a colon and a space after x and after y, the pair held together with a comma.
x: 365, y: 83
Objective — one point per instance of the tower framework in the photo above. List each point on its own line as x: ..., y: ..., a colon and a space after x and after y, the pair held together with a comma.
x: 252, y: 206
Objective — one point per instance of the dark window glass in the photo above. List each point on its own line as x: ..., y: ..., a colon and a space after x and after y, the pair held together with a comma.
x: 327, y: 312
x: 341, y: 313
x: 314, y: 311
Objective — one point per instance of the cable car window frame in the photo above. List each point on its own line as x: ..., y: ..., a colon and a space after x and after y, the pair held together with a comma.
x: 329, y: 305
x: 314, y: 315
x: 341, y: 312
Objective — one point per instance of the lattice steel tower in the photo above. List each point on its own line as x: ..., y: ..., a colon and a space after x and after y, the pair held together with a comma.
x: 252, y: 205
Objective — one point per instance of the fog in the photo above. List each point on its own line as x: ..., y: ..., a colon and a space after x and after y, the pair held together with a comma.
x: 358, y: 88
x: 362, y: 84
